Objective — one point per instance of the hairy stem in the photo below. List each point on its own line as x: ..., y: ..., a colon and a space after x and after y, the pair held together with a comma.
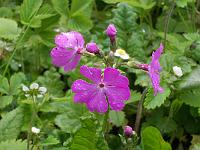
x: 139, y: 111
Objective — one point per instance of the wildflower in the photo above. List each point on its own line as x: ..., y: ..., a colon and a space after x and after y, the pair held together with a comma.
x: 25, y: 88
x: 178, y: 71
x: 111, y: 32
x: 67, y: 52
x: 35, y: 130
x: 111, y: 88
x: 42, y: 90
x: 121, y: 53
x: 128, y: 131
x: 34, y: 86
x: 92, y: 48
x: 154, y: 69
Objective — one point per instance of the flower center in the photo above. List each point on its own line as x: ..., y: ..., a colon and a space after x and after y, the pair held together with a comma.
x: 80, y: 50
x: 101, y: 85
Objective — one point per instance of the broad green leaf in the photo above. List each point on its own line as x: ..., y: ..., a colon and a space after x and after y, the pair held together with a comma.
x: 28, y: 9
x: 67, y: 122
x: 13, y: 145
x: 51, y: 80
x: 81, y: 7
x: 183, y: 3
x: 4, y: 85
x: 151, y: 101
x: 11, y: 124
x: 192, y: 80
x: 50, y: 141
x: 61, y: 6
x: 15, y: 83
x: 152, y: 140
x: 5, y: 100
x: 117, y: 117
x: 8, y: 29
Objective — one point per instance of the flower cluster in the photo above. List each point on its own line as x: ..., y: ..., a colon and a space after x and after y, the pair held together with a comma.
x: 34, y: 90
x: 108, y: 89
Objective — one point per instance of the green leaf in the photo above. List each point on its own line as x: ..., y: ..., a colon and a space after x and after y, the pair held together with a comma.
x: 61, y: 6
x: 12, y: 144
x: 192, y: 80
x: 28, y: 9
x: 152, y: 140
x: 85, y: 138
x: 183, y: 3
x: 8, y: 29
x: 50, y: 141
x: 4, y: 85
x: 51, y: 80
x: 117, y: 117
x: 68, y: 123
x: 151, y: 101
x: 11, y: 124
x: 5, y: 100
x: 81, y: 7
x: 15, y: 83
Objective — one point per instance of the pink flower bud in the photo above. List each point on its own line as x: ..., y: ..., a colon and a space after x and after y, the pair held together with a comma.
x: 128, y: 131
x: 111, y: 32
x: 92, y: 48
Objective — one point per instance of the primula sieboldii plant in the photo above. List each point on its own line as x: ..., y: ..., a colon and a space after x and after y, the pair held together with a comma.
x: 107, y: 89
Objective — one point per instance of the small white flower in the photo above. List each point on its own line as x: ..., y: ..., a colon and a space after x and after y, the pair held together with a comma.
x: 177, y: 71
x: 34, y: 86
x: 121, y: 53
x: 25, y: 88
x: 35, y: 130
x: 42, y: 90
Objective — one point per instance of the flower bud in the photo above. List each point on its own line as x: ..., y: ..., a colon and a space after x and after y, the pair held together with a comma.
x: 92, y: 48
x: 111, y: 32
x: 177, y: 71
x: 128, y: 131
x: 35, y: 130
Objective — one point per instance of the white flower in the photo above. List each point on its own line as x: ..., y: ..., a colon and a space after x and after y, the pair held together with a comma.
x: 27, y: 95
x: 35, y: 130
x: 121, y: 53
x: 42, y: 90
x: 177, y: 71
x: 25, y: 88
x: 34, y: 86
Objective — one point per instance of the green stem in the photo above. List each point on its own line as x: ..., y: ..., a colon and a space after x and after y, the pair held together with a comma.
x: 106, y: 123
x: 139, y: 111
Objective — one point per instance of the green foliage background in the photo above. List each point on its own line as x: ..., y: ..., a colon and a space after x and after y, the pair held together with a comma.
x: 169, y: 121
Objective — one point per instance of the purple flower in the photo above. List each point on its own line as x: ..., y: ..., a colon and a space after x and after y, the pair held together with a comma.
x: 111, y: 89
x: 128, y: 131
x: 111, y: 32
x: 92, y: 48
x: 67, y: 52
x: 154, y: 70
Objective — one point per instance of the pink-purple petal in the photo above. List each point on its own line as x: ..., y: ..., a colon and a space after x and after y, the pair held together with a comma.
x: 94, y: 74
x: 113, y: 77
x: 98, y: 102
x: 72, y: 63
x: 60, y: 56
x: 81, y: 85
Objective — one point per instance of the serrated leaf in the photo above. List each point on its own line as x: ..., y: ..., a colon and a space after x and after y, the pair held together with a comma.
x: 15, y: 83
x: 12, y: 144
x: 61, y: 6
x: 117, y: 117
x: 151, y: 101
x: 28, y: 9
x: 51, y: 80
x: 190, y: 97
x: 8, y: 29
x: 51, y: 140
x: 152, y: 140
x: 192, y: 80
x: 4, y: 85
x: 5, y: 100
x: 11, y: 124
